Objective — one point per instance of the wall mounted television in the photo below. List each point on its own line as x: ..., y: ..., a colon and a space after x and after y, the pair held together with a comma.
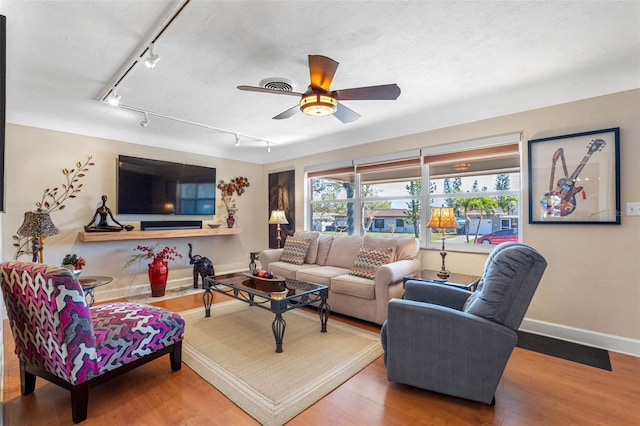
x: 160, y: 187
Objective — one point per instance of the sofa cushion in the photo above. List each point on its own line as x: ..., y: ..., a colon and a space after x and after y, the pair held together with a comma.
x: 369, y: 260
x: 354, y: 286
x: 344, y: 251
x: 312, y: 253
x: 381, y: 242
x: 407, y: 249
x: 287, y: 270
x: 320, y: 274
x: 324, y: 245
x: 295, y: 250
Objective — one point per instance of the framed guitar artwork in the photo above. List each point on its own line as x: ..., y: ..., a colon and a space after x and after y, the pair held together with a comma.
x: 575, y: 179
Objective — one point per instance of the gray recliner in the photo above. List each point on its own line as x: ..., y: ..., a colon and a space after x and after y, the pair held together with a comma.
x: 448, y: 340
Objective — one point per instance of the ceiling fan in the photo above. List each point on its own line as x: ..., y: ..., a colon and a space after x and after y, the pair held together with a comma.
x: 318, y: 101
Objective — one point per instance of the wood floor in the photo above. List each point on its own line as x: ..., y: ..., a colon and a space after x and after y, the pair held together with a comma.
x: 535, y: 390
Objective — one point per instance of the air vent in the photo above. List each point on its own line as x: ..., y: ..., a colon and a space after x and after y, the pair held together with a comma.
x: 277, y: 83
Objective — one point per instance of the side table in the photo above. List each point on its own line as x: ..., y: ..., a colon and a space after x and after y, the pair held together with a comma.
x: 463, y: 281
x: 90, y: 282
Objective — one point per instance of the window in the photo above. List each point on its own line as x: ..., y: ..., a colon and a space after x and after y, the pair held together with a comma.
x: 379, y: 197
x: 332, y: 200
x: 482, y: 185
x: 479, y: 179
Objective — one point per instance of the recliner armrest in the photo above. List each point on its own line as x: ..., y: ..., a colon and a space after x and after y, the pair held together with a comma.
x: 437, y: 294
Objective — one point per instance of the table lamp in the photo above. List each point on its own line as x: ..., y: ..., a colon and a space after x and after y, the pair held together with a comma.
x: 37, y: 225
x: 443, y: 218
x: 278, y: 217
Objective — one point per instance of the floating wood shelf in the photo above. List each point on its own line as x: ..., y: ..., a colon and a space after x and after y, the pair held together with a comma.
x: 161, y: 234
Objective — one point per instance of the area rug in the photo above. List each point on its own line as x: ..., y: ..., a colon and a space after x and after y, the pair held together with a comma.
x: 234, y: 350
x: 570, y: 351
x: 169, y: 294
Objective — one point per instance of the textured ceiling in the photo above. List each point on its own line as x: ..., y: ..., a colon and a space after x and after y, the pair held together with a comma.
x: 454, y: 61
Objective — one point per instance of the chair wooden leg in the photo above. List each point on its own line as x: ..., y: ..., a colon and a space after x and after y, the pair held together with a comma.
x: 176, y: 356
x: 27, y: 380
x: 79, y: 402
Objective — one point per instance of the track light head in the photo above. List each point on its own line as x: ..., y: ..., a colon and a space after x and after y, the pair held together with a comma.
x: 237, y: 140
x: 145, y: 122
x: 113, y: 99
x: 268, y: 146
x: 153, y: 59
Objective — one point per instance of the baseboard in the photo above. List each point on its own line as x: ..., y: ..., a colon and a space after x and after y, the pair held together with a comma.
x: 595, y: 339
x: 142, y: 289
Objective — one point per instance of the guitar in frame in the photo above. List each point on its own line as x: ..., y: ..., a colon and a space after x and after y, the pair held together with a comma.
x: 561, y: 200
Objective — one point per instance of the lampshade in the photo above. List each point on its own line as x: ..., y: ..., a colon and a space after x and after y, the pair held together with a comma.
x: 278, y: 217
x: 443, y: 218
x: 318, y: 105
x: 37, y: 224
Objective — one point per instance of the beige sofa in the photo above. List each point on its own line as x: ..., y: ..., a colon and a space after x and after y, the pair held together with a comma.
x: 329, y: 260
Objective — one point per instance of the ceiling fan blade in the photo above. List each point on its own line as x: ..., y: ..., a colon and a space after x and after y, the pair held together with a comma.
x: 345, y: 114
x: 372, y: 93
x: 321, y: 71
x: 288, y: 113
x: 264, y: 90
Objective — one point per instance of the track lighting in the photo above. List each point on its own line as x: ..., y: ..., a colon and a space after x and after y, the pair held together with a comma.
x: 153, y: 59
x: 147, y: 114
x: 145, y: 122
x: 114, y: 99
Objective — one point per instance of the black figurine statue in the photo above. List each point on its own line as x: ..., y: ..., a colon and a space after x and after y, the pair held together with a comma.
x: 202, y: 266
x: 103, y: 226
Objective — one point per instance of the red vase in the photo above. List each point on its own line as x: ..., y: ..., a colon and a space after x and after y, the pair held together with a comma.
x: 158, y: 272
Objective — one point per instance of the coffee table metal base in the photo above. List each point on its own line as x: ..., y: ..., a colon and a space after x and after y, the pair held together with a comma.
x: 309, y: 294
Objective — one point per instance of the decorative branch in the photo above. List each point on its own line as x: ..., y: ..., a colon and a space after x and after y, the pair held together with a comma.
x: 53, y: 199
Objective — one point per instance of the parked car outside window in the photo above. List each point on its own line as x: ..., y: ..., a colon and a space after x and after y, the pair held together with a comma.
x: 498, y: 237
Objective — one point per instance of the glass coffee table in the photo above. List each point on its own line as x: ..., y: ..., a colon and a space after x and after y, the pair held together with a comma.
x: 276, y: 295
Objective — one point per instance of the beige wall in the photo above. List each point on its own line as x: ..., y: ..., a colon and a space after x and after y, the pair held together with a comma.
x: 592, y: 282
x: 35, y: 159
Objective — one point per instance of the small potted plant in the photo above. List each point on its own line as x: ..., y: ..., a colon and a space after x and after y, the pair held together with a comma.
x: 158, y: 268
x: 74, y: 263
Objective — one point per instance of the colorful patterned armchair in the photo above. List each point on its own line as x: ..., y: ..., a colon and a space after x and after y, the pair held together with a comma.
x: 58, y: 337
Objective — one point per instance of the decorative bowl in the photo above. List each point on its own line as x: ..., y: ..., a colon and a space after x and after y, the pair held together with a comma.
x: 214, y: 225
x: 278, y: 295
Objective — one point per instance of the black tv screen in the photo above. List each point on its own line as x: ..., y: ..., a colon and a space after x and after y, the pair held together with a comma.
x: 161, y: 187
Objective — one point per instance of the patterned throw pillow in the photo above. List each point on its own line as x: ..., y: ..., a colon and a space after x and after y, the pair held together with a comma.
x: 295, y: 250
x: 369, y: 260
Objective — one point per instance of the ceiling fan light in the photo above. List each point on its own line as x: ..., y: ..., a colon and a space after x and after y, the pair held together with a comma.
x: 318, y: 105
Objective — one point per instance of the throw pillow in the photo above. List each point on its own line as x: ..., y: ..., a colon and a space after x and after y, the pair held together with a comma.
x: 312, y: 253
x: 369, y: 260
x: 295, y: 250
